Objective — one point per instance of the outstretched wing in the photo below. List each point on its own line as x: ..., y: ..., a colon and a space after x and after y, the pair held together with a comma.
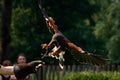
x: 65, y: 43
x: 88, y: 58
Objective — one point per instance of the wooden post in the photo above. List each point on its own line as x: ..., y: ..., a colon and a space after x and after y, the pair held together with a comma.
x: 58, y: 73
x: 40, y: 73
x: 44, y: 72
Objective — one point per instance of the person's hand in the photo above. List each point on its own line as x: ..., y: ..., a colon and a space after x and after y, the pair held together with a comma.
x: 22, y: 70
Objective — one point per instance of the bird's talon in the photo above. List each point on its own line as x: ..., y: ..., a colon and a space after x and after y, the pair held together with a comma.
x: 44, y: 46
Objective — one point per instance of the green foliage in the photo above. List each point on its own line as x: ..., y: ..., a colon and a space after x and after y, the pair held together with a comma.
x: 91, y: 75
x: 29, y: 31
x: 90, y: 24
x: 75, y: 18
x: 114, y: 47
x: 26, y: 31
x: 107, y: 29
x: 83, y: 75
x: 109, y: 25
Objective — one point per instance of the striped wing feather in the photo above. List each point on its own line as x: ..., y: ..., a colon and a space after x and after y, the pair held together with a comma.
x: 87, y: 58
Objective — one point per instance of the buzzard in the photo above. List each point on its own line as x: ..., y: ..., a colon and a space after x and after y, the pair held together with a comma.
x: 61, y: 43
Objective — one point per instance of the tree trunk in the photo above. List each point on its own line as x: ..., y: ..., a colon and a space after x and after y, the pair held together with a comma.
x: 5, y: 27
x: 0, y: 42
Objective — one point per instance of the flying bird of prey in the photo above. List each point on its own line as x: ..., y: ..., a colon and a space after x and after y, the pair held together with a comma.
x: 59, y: 43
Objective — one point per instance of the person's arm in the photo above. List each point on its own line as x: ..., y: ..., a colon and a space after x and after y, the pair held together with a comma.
x: 0, y: 77
x: 12, y: 77
x: 6, y: 70
x: 21, y: 70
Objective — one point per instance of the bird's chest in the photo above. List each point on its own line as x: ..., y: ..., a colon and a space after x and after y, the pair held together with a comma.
x: 60, y: 39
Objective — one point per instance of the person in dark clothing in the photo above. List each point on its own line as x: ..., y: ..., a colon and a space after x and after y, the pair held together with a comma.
x: 5, y: 63
x: 5, y: 77
x: 21, y: 70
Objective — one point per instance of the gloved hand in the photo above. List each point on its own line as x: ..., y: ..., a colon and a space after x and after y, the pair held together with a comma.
x: 22, y: 70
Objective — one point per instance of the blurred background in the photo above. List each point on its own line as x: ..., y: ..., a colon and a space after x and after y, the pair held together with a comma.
x: 93, y: 25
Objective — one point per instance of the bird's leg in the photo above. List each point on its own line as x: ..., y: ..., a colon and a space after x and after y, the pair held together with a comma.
x: 46, y: 46
x: 56, y: 51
